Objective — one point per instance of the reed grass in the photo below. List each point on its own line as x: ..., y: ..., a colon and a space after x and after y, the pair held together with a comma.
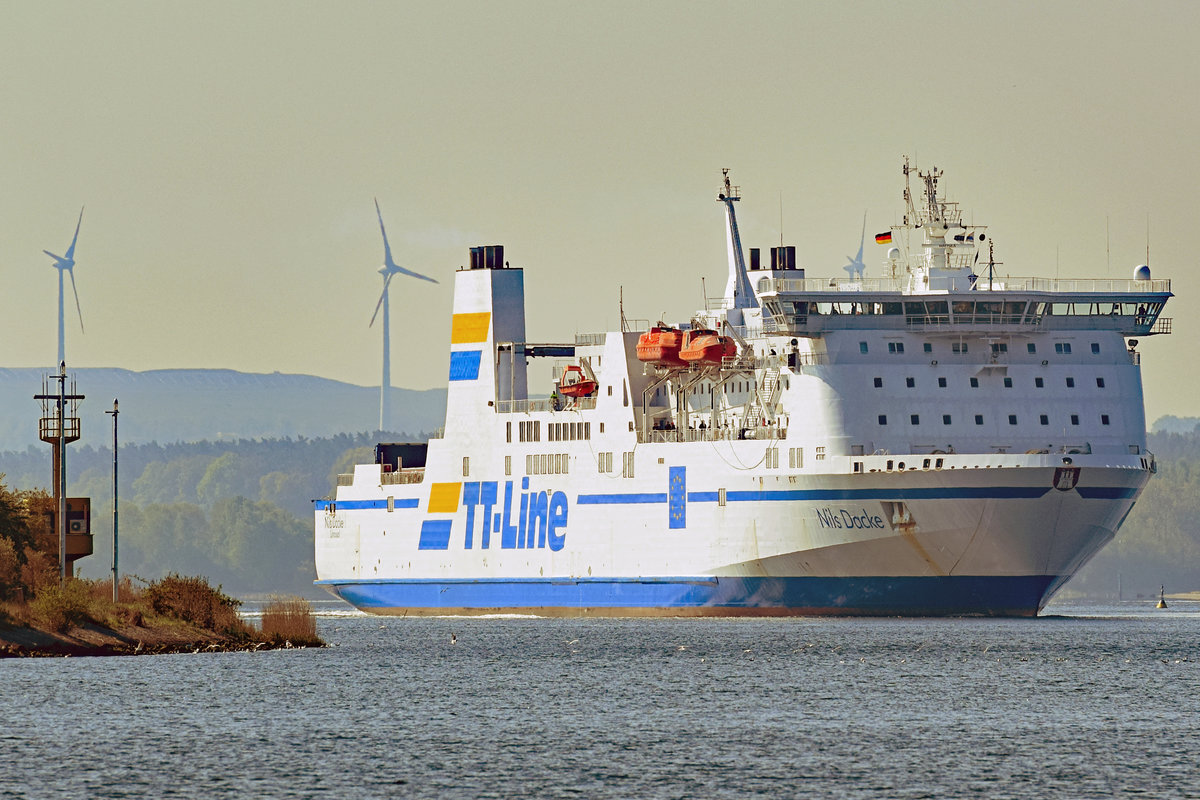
x: 290, y: 620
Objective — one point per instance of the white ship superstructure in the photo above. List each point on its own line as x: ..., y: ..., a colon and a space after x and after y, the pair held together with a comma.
x: 937, y: 441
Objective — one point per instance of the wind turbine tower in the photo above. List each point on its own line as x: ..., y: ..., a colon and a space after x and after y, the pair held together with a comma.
x: 66, y: 263
x: 388, y: 269
x: 856, y: 267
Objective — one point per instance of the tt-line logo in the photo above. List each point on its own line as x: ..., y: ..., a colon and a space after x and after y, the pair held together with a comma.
x: 540, y: 520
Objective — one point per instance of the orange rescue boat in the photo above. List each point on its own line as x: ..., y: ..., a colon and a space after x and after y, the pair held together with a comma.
x: 574, y: 383
x: 660, y: 346
x: 703, y: 346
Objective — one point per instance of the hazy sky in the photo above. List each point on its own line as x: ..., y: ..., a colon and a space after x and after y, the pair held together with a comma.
x: 228, y: 154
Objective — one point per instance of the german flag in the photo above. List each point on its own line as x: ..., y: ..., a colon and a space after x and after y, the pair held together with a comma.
x: 883, y: 238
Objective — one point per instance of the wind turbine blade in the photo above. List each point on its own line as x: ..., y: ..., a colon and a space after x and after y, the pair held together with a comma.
x: 74, y: 291
x: 75, y: 238
x: 863, y: 240
x: 56, y: 258
x: 387, y: 249
x: 413, y: 274
x: 386, y: 282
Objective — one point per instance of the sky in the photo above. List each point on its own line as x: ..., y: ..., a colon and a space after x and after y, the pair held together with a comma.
x: 228, y: 155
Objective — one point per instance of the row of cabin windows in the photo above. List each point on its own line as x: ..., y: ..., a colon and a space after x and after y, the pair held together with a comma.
x: 568, y: 431
x: 531, y: 431
x: 1062, y: 348
x: 547, y: 463
x: 1040, y: 383
x: 947, y: 419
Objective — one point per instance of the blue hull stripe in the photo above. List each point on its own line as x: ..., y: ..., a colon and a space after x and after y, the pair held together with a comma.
x: 1106, y: 492
x: 1007, y: 595
x: 360, y: 505
x: 764, y: 495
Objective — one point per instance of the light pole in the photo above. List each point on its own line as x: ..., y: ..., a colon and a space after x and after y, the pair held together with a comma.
x: 114, y: 413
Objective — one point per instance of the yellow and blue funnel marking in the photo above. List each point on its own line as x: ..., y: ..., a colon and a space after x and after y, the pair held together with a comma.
x: 435, y: 533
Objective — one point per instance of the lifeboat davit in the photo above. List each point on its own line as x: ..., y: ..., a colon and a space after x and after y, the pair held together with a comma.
x: 660, y: 346
x: 574, y: 383
x: 702, y: 346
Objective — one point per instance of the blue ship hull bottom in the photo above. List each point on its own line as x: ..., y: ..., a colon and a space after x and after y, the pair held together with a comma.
x: 1009, y: 596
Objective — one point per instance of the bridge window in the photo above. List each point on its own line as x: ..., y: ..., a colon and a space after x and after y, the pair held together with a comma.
x: 910, y: 382
x: 1062, y: 348
x: 979, y: 419
x: 1039, y: 383
x: 928, y: 347
x: 958, y: 347
x: 915, y: 419
x: 862, y: 347
x: 1074, y: 419
x: 941, y: 383
x: 999, y: 347
x: 879, y: 383
x: 1045, y: 420
x: 895, y: 347
x: 1070, y: 383
x: 1032, y: 347
x: 945, y: 419
x: 1095, y: 347
x: 1104, y: 419
x: 1099, y: 383
x: 974, y: 383
x: 883, y: 419
x: 1008, y: 383
x: 1012, y: 419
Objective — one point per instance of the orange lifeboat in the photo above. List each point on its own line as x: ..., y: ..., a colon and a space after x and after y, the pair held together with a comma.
x: 660, y: 346
x: 574, y: 383
x: 702, y: 346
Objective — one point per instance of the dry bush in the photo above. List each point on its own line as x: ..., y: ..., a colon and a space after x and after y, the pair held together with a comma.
x: 194, y: 600
x: 10, y: 569
x: 290, y: 619
x: 39, y: 570
x: 62, y: 608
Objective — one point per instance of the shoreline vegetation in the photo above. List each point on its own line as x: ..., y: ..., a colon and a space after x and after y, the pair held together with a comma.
x: 173, y: 615
x: 40, y: 615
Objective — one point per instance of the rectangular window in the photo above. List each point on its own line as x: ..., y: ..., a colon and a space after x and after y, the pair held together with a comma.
x: 974, y: 383
x: 979, y: 419
x: 720, y: 497
x: 999, y: 347
x: 796, y: 457
x: 883, y: 419
x: 1095, y: 347
x: 820, y: 454
x: 566, y: 463
x: 1032, y: 347
x: 1062, y: 348
x: 941, y: 383
x: 1039, y: 383
x: 508, y: 432
x: 508, y: 465
x: 587, y: 430
x: 895, y: 347
x: 915, y: 419
x: 529, y: 465
x: 1099, y: 383
x: 1070, y: 383
x: 1008, y: 383
x: 602, y: 427
x: 958, y: 347
x: 1104, y: 419
x: 928, y: 347
x: 862, y: 347
x: 537, y: 430
x: 1012, y: 419
x: 466, y: 466
x: 1074, y: 419
x: 1045, y: 420
x: 910, y: 382
x: 945, y: 419
x: 878, y: 383
x: 551, y: 431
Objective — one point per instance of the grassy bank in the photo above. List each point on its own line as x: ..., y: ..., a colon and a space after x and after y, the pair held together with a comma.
x: 172, y: 615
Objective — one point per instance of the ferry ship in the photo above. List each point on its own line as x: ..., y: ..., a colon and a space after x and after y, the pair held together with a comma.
x: 936, y: 441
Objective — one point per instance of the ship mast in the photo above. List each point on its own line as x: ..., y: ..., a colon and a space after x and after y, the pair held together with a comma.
x: 738, y: 291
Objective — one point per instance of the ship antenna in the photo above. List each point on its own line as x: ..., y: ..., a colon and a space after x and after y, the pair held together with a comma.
x: 781, y: 219
x: 621, y: 306
x: 1147, y: 237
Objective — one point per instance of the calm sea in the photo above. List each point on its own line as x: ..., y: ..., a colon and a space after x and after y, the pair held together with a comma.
x: 1088, y: 702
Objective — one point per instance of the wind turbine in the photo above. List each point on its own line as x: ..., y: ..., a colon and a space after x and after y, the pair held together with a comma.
x: 388, y: 269
x: 67, y: 264
x: 856, y: 267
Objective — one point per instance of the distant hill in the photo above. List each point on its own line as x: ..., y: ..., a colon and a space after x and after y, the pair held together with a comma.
x: 185, y: 405
x: 1172, y: 424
